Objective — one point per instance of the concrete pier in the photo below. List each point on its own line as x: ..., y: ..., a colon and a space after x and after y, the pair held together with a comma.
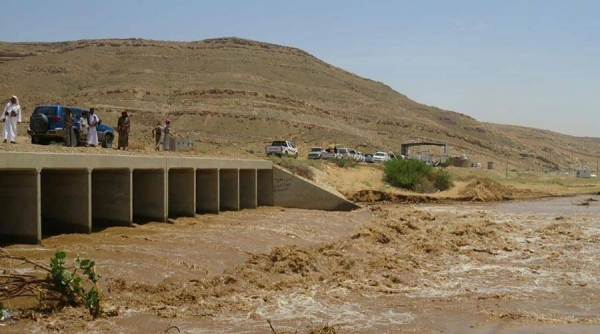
x: 149, y: 196
x: 20, y: 205
x: 229, y: 189
x: 111, y: 197
x: 207, y: 191
x: 264, y: 187
x: 66, y: 201
x: 182, y: 192
x: 247, y: 187
x: 48, y: 194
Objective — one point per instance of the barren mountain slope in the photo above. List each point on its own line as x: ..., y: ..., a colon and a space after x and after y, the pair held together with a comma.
x: 236, y: 94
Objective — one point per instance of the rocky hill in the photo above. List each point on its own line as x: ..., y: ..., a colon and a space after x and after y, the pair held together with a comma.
x: 236, y: 95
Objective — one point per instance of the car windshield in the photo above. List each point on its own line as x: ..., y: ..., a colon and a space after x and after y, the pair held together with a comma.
x: 279, y: 143
x: 316, y: 149
x: 48, y: 111
x: 342, y: 150
x: 380, y: 154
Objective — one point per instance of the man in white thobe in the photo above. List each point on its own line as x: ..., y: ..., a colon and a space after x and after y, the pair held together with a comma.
x: 11, y: 116
x: 92, y: 137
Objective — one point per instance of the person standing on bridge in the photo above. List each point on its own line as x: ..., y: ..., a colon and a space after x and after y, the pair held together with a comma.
x: 157, y: 133
x: 70, y: 138
x: 167, y: 134
x: 123, y: 126
x: 92, y: 137
x: 83, y: 128
x: 11, y: 116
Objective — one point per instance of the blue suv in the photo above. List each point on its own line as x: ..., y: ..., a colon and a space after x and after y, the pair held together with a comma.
x: 46, y: 125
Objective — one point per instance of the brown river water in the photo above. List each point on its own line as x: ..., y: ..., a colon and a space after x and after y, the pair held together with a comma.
x: 514, y: 267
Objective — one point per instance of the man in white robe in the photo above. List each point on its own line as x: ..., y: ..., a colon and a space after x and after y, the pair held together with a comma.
x: 11, y: 116
x: 92, y: 137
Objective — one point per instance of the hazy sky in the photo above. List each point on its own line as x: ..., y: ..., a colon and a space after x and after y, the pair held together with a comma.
x: 534, y: 63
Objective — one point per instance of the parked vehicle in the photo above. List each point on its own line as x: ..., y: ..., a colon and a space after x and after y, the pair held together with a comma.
x: 330, y: 153
x: 315, y: 152
x: 359, y: 157
x: 345, y: 153
x: 46, y: 125
x: 282, y: 148
x: 369, y: 158
x: 381, y: 157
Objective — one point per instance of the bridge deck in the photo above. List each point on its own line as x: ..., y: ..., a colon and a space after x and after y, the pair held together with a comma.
x: 47, y: 193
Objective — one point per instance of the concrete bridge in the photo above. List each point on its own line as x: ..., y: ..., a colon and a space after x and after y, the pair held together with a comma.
x: 48, y: 194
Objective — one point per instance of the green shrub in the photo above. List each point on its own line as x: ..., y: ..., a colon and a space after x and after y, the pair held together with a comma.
x: 69, y: 284
x: 442, y: 179
x: 415, y: 175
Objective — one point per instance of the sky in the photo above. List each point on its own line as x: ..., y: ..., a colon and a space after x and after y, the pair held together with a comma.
x: 534, y: 63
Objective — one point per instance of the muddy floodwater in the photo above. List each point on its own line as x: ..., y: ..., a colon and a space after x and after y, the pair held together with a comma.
x: 515, y: 267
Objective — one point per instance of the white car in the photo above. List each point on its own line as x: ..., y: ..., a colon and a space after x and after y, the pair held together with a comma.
x: 315, y: 152
x: 345, y: 153
x: 359, y: 156
x: 282, y: 148
x: 381, y: 157
x: 330, y: 154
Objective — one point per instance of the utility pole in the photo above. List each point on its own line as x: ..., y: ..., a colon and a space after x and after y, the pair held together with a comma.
x: 507, y: 166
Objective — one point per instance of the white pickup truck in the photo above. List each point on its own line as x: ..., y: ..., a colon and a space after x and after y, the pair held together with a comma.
x: 282, y: 148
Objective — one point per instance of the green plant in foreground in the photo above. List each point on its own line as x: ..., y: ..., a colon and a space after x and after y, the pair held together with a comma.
x: 69, y: 283
x: 415, y: 175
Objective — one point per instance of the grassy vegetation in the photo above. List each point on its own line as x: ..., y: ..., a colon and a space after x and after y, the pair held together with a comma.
x: 416, y: 176
x: 299, y: 167
x: 344, y: 163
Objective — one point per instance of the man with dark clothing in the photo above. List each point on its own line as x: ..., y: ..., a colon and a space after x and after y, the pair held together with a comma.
x: 156, y: 133
x: 70, y: 138
x: 123, y: 126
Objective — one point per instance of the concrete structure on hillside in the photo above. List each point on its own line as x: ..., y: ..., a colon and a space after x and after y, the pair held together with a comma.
x: 47, y: 194
x: 424, y: 155
x: 584, y: 173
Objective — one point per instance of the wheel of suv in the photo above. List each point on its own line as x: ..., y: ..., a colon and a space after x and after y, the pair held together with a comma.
x: 39, y: 123
x: 108, y: 141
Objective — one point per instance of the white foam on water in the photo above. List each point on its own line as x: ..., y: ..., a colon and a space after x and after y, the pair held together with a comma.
x: 317, y: 308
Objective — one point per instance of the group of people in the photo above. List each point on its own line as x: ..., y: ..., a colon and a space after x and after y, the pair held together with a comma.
x: 162, y: 132
x: 89, y: 135
x: 88, y: 123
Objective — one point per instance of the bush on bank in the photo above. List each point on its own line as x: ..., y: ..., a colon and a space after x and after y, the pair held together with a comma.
x: 416, y: 176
